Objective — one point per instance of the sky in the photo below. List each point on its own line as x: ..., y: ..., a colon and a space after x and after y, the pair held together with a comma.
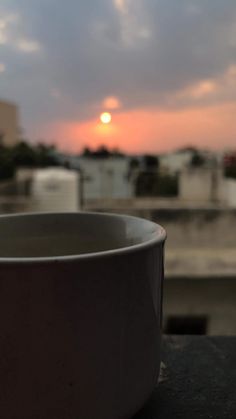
x: 164, y: 69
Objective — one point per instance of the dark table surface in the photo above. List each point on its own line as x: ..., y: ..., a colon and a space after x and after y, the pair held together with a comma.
x: 197, y: 381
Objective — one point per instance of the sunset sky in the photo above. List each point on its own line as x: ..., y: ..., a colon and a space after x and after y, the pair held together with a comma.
x: 164, y: 69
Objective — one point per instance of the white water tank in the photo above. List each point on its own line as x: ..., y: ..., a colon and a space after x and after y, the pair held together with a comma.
x: 55, y: 189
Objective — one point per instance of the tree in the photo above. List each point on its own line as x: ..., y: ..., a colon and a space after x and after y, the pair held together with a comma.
x: 197, y: 160
x: 168, y: 186
x: 7, y: 168
x: 134, y: 166
x: 45, y: 156
x: 116, y: 152
x: 24, y: 155
x: 86, y: 152
x: 102, y: 151
x: 150, y: 162
x: 134, y: 163
x: 147, y: 179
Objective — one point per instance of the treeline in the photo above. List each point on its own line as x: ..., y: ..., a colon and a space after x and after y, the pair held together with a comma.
x: 25, y: 155
x: 102, y: 152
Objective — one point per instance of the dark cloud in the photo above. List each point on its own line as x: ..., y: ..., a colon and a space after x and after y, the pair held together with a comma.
x: 89, y: 50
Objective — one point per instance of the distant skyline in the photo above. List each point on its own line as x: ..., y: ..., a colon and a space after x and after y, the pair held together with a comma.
x: 165, y: 70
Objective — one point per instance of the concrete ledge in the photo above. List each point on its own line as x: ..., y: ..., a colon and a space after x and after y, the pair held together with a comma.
x: 198, y: 380
x: 200, y: 262
x: 200, y: 242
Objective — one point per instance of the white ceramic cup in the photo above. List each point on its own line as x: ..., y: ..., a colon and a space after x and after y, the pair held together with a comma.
x: 80, y: 315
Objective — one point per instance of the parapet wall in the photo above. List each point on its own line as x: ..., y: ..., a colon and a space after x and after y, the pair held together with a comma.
x: 188, y: 227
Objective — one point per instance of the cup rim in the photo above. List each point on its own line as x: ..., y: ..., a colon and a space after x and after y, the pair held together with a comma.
x: 160, y: 237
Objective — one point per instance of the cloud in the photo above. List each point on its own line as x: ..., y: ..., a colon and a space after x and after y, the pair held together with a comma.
x: 134, y: 26
x: 2, y: 67
x: 111, y: 102
x: 232, y: 34
x: 11, y: 30
x: 199, y: 90
x: 27, y: 45
x: 193, y: 9
x: 55, y: 93
x: 121, y: 6
x: 203, y: 88
x: 62, y: 60
x: 206, y: 92
x: 6, y: 21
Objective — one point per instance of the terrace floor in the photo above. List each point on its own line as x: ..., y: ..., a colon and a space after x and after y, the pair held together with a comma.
x: 197, y: 381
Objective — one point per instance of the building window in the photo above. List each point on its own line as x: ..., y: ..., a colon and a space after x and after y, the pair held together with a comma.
x: 186, y: 325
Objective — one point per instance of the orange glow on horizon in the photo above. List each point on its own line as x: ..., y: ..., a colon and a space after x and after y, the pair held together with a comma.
x: 151, y: 131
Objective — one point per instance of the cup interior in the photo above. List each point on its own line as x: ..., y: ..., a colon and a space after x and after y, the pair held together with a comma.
x: 48, y: 235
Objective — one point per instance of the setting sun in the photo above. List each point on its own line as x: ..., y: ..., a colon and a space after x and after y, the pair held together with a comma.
x: 105, y: 117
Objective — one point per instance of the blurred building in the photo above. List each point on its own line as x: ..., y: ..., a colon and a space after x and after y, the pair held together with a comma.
x: 175, y: 161
x: 200, y: 257
x: 8, y: 124
x: 105, y: 177
x: 202, y: 185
